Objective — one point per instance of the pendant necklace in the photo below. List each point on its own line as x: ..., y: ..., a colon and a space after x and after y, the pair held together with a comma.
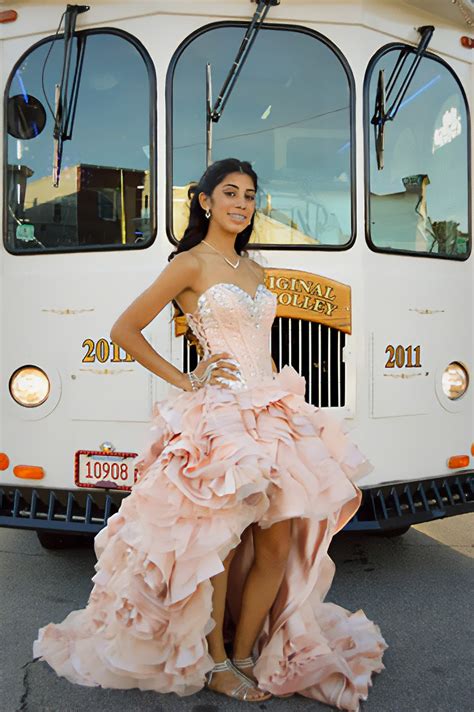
x: 220, y: 253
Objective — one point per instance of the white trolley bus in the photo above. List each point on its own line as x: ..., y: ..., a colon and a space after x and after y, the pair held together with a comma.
x: 356, y: 117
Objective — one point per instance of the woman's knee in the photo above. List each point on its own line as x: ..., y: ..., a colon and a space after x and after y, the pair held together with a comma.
x: 272, y: 545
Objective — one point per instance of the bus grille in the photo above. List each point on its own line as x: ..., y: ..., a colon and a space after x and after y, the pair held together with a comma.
x: 314, y: 350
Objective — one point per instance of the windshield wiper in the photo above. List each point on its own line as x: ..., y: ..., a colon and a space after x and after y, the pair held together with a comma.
x: 65, y: 104
x: 384, y: 94
x: 214, y: 113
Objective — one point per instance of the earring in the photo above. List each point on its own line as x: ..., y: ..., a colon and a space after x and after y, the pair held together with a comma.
x: 208, y: 213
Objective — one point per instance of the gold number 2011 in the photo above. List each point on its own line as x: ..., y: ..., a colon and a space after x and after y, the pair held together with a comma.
x: 101, y: 351
x: 402, y: 356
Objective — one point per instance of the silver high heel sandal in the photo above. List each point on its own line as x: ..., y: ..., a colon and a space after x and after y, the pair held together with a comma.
x: 248, y: 663
x: 240, y: 692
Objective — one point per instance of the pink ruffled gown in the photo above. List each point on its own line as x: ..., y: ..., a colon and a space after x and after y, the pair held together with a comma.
x: 220, y: 459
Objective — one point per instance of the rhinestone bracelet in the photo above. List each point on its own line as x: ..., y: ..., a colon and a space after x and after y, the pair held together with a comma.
x: 194, y: 380
x: 199, y: 381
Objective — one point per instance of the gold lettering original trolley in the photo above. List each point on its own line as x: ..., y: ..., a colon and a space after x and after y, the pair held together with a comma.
x: 356, y: 118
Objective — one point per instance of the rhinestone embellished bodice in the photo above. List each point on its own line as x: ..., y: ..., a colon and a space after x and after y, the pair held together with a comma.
x: 228, y: 319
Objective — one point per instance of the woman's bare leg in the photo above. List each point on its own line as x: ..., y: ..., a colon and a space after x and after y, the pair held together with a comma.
x: 215, y: 638
x: 223, y: 681
x: 261, y: 586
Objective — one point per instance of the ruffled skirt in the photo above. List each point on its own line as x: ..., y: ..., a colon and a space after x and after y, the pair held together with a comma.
x: 218, y: 461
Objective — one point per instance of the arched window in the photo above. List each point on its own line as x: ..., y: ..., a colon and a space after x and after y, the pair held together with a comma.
x: 290, y: 114
x: 104, y: 197
x: 419, y: 201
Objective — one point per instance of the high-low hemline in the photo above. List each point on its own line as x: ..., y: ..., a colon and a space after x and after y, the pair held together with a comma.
x: 219, y: 461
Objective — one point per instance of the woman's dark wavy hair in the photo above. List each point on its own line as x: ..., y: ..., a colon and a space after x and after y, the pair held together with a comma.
x: 198, y: 224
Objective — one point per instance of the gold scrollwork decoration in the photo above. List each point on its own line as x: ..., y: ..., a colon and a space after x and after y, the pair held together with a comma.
x: 67, y: 312
x: 106, y: 371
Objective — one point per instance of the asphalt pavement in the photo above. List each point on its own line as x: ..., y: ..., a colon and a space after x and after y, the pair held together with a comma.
x: 418, y: 588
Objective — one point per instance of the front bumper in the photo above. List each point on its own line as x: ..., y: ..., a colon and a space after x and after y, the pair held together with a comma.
x: 76, y: 512
x: 383, y: 508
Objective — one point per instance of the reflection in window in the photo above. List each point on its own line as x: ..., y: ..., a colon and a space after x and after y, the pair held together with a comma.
x: 289, y: 115
x: 419, y: 200
x: 107, y: 207
x: 103, y: 195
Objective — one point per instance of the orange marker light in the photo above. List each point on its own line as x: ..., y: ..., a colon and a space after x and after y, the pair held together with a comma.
x: 8, y: 16
x: 458, y: 461
x: 28, y: 472
x: 472, y: 449
x: 4, y: 461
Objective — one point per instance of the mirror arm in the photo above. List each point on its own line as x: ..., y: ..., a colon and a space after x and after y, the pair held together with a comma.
x: 62, y: 113
x: 426, y: 33
x: 381, y: 115
x: 214, y: 113
x: 70, y: 118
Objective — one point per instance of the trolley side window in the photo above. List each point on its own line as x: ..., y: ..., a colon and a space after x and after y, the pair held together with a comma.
x: 290, y: 114
x: 98, y: 192
x: 418, y: 200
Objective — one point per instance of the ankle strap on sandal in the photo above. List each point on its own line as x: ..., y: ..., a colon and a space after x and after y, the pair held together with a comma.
x: 223, y: 666
x: 244, y: 662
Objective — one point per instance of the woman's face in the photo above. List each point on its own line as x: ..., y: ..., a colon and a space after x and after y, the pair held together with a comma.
x: 232, y: 202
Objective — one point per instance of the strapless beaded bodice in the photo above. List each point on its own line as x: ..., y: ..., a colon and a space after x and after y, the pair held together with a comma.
x: 228, y: 319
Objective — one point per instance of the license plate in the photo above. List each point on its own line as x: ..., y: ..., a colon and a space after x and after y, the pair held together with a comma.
x: 114, y: 470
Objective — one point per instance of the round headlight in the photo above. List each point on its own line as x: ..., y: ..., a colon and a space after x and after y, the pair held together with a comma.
x: 454, y: 381
x: 29, y: 386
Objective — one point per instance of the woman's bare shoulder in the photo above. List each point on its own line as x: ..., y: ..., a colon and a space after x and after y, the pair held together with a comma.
x: 187, y: 259
x: 189, y: 263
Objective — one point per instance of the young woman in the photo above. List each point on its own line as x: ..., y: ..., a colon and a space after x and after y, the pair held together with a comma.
x: 221, y: 547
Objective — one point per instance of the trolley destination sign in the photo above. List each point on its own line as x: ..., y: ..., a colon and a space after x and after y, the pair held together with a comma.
x: 303, y: 295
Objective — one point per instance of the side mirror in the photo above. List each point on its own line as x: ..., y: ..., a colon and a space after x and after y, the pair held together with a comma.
x: 26, y: 116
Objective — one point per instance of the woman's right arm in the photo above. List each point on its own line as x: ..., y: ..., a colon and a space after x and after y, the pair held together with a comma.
x: 179, y: 274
